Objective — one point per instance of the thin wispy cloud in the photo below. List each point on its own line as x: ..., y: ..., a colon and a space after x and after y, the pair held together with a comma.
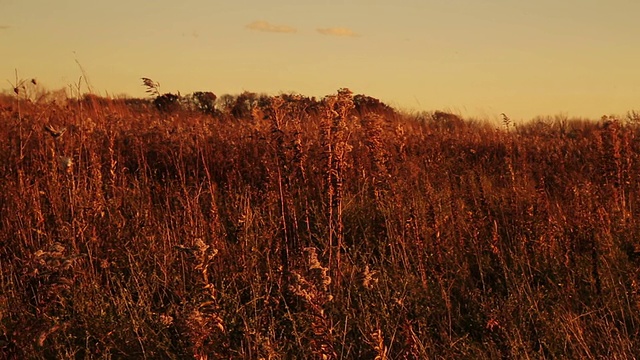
x: 4, y: 27
x: 268, y: 27
x: 338, y: 31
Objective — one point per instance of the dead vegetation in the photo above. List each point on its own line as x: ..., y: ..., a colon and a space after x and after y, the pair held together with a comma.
x: 287, y: 227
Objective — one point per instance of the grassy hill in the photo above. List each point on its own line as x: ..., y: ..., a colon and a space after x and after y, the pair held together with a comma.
x: 287, y: 227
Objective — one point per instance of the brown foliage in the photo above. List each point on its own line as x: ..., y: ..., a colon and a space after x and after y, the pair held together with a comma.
x: 314, y: 229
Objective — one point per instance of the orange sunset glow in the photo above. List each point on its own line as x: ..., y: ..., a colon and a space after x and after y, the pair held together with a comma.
x: 474, y: 58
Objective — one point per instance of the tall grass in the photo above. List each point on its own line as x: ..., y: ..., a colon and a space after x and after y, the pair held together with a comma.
x: 321, y: 230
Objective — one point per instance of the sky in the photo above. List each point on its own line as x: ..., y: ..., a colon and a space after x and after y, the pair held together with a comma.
x: 476, y: 58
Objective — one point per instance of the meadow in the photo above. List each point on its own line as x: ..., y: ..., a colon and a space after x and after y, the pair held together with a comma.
x: 284, y: 227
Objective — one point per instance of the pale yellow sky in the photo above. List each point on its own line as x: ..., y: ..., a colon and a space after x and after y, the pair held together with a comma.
x: 478, y: 58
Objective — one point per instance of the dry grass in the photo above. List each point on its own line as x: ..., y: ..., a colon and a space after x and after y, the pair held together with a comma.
x: 314, y: 230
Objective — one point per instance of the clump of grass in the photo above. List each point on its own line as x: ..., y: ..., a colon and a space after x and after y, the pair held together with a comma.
x: 334, y: 135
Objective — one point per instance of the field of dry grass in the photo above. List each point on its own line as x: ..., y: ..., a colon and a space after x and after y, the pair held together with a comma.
x: 329, y: 229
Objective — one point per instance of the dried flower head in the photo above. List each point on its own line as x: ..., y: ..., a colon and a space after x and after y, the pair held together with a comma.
x: 369, y: 277
x: 65, y: 163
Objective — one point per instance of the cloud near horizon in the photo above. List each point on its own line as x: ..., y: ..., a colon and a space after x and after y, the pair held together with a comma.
x: 338, y: 31
x: 267, y: 27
